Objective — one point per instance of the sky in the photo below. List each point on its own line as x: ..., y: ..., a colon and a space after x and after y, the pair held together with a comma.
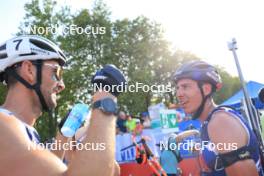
x: 201, y: 27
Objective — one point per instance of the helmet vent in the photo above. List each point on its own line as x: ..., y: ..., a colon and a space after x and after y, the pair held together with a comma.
x: 28, y: 54
x: 62, y: 55
x: 3, y: 55
x: 202, y: 66
x: 3, y: 47
x: 42, y: 45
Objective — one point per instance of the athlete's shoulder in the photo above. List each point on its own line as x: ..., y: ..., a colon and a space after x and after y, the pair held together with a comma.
x: 11, y: 132
x: 16, y: 152
x: 225, y: 129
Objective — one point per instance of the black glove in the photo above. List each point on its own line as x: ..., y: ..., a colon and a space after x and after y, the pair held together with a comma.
x: 109, y: 78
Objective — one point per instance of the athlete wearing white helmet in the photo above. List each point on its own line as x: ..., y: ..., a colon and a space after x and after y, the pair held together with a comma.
x: 31, y: 66
x: 30, y: 48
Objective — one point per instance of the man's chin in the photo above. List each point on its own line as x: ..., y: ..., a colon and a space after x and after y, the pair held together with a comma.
x: 52, y: 104
x: 54, y: 101
x: 189, y: 112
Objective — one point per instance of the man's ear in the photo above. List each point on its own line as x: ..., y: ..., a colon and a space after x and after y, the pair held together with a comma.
x: 207, y: 88
x: 28, y: 72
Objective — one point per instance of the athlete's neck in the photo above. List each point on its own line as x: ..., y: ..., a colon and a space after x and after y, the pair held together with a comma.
x: 208, y: 107
x: 22, y: 104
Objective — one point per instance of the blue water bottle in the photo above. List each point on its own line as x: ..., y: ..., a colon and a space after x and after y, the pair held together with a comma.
x: 75, y: 119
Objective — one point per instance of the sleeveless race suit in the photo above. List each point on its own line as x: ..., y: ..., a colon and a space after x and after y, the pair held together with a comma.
x: 209, y: 157
x: 28, y: 130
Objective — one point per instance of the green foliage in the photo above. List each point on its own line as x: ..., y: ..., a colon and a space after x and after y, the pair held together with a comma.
x: 230, y: 85
x: 2, y: 93
x: 135, y: 46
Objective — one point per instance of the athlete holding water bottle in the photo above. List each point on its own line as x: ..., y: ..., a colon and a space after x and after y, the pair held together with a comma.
x: 32, y: 66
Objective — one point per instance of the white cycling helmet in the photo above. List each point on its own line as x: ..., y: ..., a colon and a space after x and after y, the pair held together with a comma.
x: 28, y: 47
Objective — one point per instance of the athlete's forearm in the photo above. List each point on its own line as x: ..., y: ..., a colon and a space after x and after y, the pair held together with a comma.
x: 101, y: 132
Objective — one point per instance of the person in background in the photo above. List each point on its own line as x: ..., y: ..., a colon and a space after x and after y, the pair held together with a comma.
x: 138, y: 128
x: 121, y: 123
x: 170, y: 156
x: 131, y: 123
x: 146, y: 119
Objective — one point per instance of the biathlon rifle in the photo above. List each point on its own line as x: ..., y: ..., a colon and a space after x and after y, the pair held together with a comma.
x: 253, y: 115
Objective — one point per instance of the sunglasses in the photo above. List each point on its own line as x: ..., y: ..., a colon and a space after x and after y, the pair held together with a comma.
x: 57, y: 70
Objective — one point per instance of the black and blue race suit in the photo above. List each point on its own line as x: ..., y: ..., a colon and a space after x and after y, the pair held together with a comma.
x: 209, y: 156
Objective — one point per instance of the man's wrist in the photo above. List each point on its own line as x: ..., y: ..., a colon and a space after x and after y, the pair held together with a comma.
x: 99, y: 95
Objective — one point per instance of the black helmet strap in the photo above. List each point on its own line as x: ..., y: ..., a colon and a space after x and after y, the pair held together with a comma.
x: 204, y: 98
x: 36, y: 86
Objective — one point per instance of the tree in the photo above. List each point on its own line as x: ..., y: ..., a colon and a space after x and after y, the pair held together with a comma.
x: 231, y: 84
x: 91, y: 40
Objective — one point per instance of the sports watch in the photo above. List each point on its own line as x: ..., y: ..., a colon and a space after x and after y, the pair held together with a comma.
x: 106, y: 105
